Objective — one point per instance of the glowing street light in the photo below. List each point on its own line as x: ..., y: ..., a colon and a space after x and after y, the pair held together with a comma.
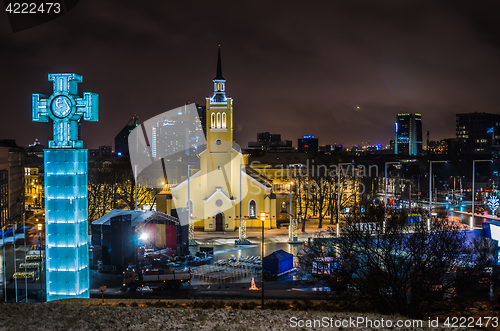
x: 242, y: 236
x: 262, y: 218
x: 430, y: 191
x: 385, y: 195
x: 39, y: 227
x: 292, y: 228
x: 474, y: 189
x: 338, y: 194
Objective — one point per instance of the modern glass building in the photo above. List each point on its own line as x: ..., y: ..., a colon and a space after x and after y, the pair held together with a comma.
x: 408, y: 134
x: 478, y: 132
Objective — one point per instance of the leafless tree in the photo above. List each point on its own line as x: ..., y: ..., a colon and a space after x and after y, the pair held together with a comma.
x: 111, y: 186
x: 402, y: 270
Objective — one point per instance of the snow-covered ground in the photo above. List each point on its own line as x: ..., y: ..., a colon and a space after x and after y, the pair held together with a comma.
x: 143, y: 315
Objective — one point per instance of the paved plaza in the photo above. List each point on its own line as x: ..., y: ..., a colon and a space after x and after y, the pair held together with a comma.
x: 254, y: 235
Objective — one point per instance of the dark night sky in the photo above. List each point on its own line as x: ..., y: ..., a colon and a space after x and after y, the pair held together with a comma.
x: 292, y: 67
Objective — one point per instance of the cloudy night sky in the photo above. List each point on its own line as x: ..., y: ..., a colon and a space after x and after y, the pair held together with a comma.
x: 293, y: 67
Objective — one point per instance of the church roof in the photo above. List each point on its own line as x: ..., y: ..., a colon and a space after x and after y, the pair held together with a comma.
x: 219, y: 97
x: 258, y: 177
x: 236, y: 147
x: 35, y: 148
x: 219, y: 68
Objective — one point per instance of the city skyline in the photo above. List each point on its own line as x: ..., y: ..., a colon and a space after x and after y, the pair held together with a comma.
x: 340, y: 71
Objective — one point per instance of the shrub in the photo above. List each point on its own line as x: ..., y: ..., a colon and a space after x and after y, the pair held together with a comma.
x: 277, y: 305
x: 160, y: 304
x: 235, y: 304
x: 248, y: 305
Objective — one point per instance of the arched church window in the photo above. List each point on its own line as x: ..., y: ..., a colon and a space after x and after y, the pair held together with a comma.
x: 252, y: 208
x: 222, y: 85
x: 218, y: 121
x: 212, y: 122
x: 224, y: 120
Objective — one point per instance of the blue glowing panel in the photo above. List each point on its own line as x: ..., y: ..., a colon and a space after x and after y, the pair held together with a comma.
x: 66, y: 223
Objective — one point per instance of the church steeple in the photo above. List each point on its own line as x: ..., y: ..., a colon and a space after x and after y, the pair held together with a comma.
x: 219, y: 68
x: 219, y: 96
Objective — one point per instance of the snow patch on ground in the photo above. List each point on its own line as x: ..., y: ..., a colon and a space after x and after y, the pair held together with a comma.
x: 58, y: 316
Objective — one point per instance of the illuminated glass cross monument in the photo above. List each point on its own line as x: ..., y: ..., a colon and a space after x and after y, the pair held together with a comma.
x: 66, y: 199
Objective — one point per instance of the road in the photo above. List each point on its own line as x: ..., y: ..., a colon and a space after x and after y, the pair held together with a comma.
x: 219, y: 291
x: 464, y: 217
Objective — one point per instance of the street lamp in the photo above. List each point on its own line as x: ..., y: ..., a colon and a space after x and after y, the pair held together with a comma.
x: 191, y: 241
x: 262, y: 218
x: 242, y: 232
x: 338, y: 195
x: 292, y: 228
x: 39, y: 228
x: 243, y: 223
x: 135, y: 187
x: 430, y: 189
x: 474, y: 189
x: 454, y: 193
x: 385, y: 195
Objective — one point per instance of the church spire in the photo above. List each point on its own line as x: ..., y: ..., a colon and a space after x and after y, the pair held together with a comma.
x: 219, y: 68
x: 219, y: 85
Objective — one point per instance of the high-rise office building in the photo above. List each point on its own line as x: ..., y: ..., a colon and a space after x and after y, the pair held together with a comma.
x: 121, y: 139
x: 270, y: 142
x: 202, y: 116
x: 478, y: 132
x: 11, y: 182
x: 179, y: 132
x: 308, y: 144
x: 408, y: 138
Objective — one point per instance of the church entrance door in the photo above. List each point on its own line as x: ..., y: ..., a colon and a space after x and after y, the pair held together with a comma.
x: 219, y: 222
